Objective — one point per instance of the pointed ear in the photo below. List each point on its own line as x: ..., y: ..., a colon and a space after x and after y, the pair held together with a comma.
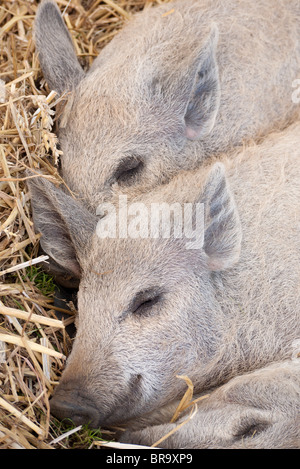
x: 203, y: 101
x: 194, y: 89
x: 65, y: 225
x: 58, y: 60
x: 222, y: 232
x: 206, y: 232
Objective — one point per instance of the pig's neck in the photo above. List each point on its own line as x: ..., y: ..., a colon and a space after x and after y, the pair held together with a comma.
x: 252, y: 321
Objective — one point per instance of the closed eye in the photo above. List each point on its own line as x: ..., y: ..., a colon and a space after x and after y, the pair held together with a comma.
x: 127, y: 170
x: 144, y: 301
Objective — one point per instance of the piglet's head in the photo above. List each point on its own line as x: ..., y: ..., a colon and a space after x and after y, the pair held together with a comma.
x: 147, y: 309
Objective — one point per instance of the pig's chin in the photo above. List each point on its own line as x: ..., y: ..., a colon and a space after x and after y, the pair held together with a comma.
x: 131, y: 409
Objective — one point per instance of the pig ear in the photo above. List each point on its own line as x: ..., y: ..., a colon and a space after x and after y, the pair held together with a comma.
x: 57, y: 56
x: 198, y: 91
x: 65, y: 225
x: 222, y: 231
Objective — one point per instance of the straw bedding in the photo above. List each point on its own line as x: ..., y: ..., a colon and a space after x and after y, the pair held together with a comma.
x: 34, y: 344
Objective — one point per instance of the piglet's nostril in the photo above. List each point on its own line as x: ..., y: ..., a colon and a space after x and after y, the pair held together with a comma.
x: 76, y: 409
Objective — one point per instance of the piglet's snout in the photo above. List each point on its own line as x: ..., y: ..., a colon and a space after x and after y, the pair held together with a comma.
x: 76, y: 406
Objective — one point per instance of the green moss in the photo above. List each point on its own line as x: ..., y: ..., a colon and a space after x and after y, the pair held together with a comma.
x: 43, y: 281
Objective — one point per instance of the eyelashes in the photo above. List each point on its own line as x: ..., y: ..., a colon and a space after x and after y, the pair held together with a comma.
x: 144, y: 306
x: 143, y: 303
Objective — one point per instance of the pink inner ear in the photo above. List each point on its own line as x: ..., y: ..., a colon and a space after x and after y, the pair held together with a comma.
x: 192, y: 134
